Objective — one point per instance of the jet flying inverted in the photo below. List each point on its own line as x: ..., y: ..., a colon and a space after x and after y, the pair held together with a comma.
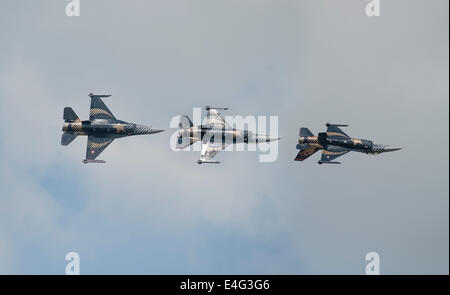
x: 215, y: 135
x: 101, y: 128
x: 335, y: 143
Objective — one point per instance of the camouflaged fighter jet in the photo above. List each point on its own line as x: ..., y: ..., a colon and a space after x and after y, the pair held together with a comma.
x: 101, y: 128
x: 215, y: 135
x: 334, y: 144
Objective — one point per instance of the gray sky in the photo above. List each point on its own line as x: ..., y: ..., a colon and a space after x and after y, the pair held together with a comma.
x: 150, y: 210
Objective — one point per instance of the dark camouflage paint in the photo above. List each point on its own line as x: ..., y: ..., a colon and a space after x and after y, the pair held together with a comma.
x: 101, y: 128
x: 334, y: 144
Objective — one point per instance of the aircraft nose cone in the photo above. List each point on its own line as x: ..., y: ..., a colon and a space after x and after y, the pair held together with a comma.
x: 265, y: 138
x: 142, y: 129
x: 391, y: 149
x: 272, y: 139
x: 156, y: 131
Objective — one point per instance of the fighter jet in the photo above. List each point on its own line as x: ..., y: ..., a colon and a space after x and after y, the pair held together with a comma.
x: 101, y: 128
x: 334, y: 144
x: 215, y: 135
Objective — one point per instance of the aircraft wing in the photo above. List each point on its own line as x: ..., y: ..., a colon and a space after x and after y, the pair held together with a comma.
x: 331, y: 154
x: 214, y: 118
x: 96, y: 145
x: 98, y: 108
x: 305, y: 152
x: 209, y: 150
x: 335, y: 132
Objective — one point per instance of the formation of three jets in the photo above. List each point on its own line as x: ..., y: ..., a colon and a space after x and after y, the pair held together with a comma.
x: 102, y: 128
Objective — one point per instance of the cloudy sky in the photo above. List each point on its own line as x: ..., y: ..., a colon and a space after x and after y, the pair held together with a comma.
x: 149, y: 210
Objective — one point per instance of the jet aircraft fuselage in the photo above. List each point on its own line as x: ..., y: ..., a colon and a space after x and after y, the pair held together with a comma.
x: 106, y: 128
x: 101, y: 128
x: 215, y: 135
x: 334, y: 144
x: 354, y: 144
x: 223, y: 135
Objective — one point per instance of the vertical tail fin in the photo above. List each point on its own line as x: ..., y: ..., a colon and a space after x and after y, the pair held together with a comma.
x: 69, y: 115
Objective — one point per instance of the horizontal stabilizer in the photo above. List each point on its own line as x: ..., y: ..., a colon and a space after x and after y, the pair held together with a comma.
x: 183, y: 142
x: 69, y: 115
x: 185, y: 122
x: 67, y: 138
x: 304, y: 132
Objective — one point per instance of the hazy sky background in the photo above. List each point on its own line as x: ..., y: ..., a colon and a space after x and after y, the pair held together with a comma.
x: 153, y: 211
